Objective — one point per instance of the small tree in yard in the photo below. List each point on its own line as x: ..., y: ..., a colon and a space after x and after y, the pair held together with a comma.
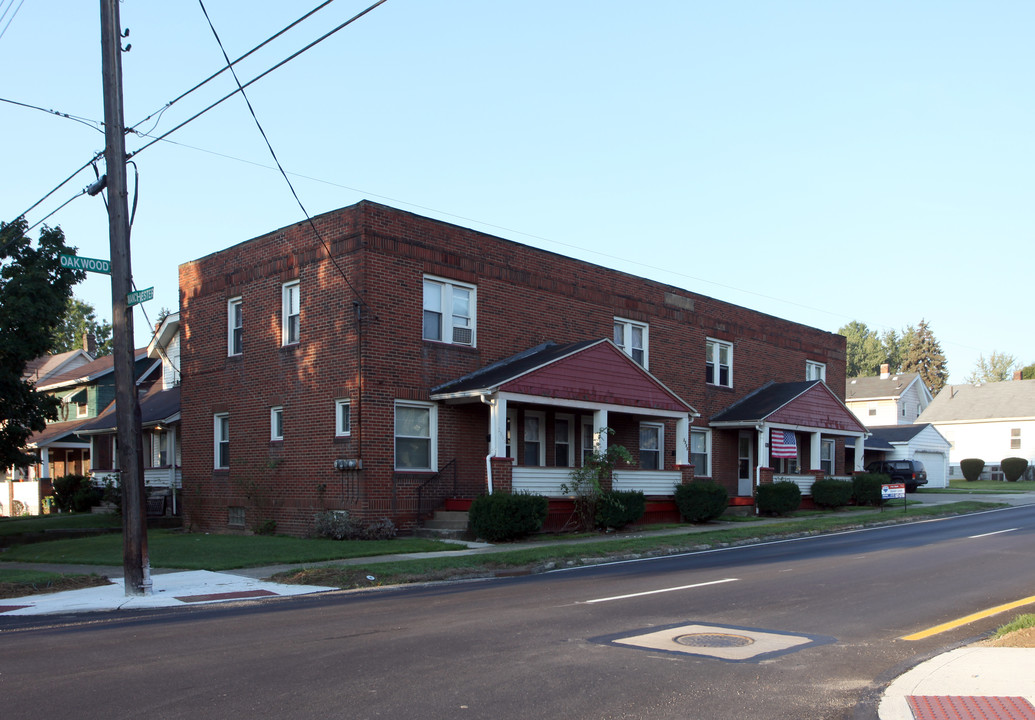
x: 1013, y: 468
x: 585, y: 482
x: 972, y: 468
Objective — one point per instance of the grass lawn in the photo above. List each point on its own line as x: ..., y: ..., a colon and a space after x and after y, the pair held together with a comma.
x: 64, y: 521
x: 19, y: 583
x: 197, y: 551
x: 986, y: 486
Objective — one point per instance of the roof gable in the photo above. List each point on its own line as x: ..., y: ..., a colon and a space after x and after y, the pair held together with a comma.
x: 594, y: 371
x: 808, y: 404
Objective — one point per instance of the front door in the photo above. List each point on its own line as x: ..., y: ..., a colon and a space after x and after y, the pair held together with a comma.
x: 745, y: 466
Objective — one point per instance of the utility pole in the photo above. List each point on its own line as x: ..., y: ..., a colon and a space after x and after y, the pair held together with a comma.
x: 136, y: 566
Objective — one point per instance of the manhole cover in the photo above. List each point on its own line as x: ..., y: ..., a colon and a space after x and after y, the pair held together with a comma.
x: 713, y: 640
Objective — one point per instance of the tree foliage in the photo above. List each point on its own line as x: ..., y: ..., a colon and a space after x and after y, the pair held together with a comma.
x: 80, y: 319
x: 924, y: 356
x: 34, y: 291
x: 1028, y: 372
x: 997, y: 368
x: 867, y: 350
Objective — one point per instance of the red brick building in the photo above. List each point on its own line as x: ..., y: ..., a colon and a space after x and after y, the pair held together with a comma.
x: 391, y: 361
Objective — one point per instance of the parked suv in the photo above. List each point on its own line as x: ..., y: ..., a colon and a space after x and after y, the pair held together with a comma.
x: 910, y: 472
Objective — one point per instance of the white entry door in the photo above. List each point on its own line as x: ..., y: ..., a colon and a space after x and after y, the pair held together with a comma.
x: 745, y: 463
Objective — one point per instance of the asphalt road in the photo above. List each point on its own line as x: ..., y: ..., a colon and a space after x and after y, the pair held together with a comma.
x: 817, y: 621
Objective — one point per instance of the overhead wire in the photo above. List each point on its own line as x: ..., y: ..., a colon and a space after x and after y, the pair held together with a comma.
x: 11, y: 19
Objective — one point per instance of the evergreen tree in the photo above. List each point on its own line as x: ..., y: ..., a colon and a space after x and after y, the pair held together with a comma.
x: 863, y: 353
x: 34, y: 290
x: 80, y: 319
x: 925, y: 357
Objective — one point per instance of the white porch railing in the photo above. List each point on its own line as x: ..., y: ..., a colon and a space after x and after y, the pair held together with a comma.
x: 548, y: 481
x: 804, y: 482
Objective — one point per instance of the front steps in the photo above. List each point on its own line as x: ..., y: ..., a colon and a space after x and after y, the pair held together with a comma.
x: 445, y: 524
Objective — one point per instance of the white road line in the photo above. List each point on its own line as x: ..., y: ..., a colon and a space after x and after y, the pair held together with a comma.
x: 655, y: 592
x: 997, y: 532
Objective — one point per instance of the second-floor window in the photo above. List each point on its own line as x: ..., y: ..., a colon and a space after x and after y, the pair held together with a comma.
x: 234, y: 327
x: 222, y: 441
x: 1015, y: 438
x: 291, y: 313
x: 631, y: 337
x: 815, y: 370
x: 449, y: 312
x: 276, y: 423
x: 718, y: 363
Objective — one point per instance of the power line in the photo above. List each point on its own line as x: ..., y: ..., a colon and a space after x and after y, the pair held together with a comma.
x: 92, y: 124
x: 12, y: 16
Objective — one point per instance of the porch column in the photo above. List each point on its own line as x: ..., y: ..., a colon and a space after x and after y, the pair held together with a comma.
x: 815, y: 450
x: 497, y: 434
x: 682, y: 441
x: 599, y: 438
x: 860, y: 444
x: 762, y: 458
x: 45, y: 462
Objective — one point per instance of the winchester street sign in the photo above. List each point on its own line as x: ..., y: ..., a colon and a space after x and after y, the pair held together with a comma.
x: 84, y: 263
x: 139, y: 296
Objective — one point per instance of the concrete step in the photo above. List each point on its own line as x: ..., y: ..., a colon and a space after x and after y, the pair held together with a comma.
x: 447, y: 520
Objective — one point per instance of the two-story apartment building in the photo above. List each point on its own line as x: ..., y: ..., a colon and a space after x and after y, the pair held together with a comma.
x: 378, y: 361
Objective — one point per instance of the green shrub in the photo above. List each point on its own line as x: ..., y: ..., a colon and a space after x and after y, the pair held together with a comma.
x: 74, y: 493
x: 830, y: 493
x: 701, y: 501
x: 618, y: 508
x: 1013, y: 468
x: 866, y: 488
x: 505, y: 516
x: 972, y: 468
x: 777, y: 498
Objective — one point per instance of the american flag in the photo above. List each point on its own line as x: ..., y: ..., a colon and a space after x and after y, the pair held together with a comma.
x: 783, y: 444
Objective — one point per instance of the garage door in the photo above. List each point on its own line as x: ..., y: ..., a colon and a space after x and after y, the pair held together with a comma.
x: 935, y: 465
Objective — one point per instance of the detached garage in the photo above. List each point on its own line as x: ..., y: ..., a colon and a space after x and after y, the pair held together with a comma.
x: 912, y: 442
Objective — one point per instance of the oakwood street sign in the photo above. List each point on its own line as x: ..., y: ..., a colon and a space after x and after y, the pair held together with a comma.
x: 75, y: 262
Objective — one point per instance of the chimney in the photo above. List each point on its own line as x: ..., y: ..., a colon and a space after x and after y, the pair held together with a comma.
x: 90, y: 344
x: 885, y: 371
x: 1018, y: 375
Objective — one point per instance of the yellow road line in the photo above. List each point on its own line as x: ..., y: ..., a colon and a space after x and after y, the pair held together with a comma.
x: 953, y: 624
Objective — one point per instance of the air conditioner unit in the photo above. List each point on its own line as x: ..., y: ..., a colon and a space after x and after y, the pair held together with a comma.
x: 462, y: 335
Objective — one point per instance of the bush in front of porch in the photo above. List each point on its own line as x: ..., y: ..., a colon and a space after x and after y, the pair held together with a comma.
x: 618, y: 508
x: 701, y: 501
x: 778, y: 498
x: 505, y: 516
x: 831, y: 493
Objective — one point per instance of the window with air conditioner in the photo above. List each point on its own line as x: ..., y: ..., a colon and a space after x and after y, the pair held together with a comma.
x: 449, y: 312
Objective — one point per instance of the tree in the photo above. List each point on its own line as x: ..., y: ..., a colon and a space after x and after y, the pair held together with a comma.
x: 997, y: 368
x: 924, y: 357
x: 80, y: 319
x: 1028, y: 372
x: 864, y: 353
x: 34, y: 291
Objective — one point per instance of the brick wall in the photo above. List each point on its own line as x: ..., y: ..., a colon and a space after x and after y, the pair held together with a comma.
x: 364, y: 343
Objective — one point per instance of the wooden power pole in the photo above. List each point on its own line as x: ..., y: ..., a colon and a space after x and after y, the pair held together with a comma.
x: 136, y: 565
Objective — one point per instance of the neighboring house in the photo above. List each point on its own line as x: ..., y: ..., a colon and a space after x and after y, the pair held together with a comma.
x: 397, y: 361
x: 920, y: 442
x: 158, y: 390
x: 887, y: 399
x: 990, y: 421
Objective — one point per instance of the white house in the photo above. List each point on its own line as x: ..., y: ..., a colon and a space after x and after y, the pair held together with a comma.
x: 990, y: 421
x: 920, y: 442
x: 888, y: 399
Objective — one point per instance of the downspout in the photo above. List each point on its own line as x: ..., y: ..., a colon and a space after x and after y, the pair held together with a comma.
x: 491, y: 402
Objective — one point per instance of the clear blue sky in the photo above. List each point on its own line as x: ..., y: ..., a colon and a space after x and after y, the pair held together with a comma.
x: 819, y: 161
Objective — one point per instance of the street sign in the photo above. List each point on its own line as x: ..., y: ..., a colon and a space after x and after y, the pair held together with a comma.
x: 139, y: 296
x: 76, y: 262
x: 893, y: 491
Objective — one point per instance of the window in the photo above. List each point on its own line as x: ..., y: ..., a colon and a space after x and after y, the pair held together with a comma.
x: 82, y: 409
x: 826, y: 456
x: 512, y: 424
x: 159, y: 449
x: 342, y: 418
x: 535, y: 448
x: 449, y: 312
x: 415, y: 436
x: 699, y: 441
x: 815, y: 370
x: 563, y: 440
x: 631, y: 337
x: 588, y: 438
x: 718, y: 363
x: 234, y: 327
x: 235, y: 516
x: 276, y: 423
x: 222, y: 441
x: 290, y: 313
x: 1015, y: 438
x: 651, y: 444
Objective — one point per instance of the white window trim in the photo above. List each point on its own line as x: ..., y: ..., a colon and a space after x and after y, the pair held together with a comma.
x: 340, y: 431
x: 274, y: 412
x: 285, y: 296
x: 218, y: 438
x: 432, y: 432
x: 707, y: 451
x: 823, y: 445
x: 542, y: 436
x: 82, y: 410
x: 716, y: 343
x: 628, y: 326
x: 512, y: 426
x: 815, y: 368
x: 588, y: 434
x: 660, y: 427
x: 231, y: 304
x: 570, y: 440
x: 446, y: 299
